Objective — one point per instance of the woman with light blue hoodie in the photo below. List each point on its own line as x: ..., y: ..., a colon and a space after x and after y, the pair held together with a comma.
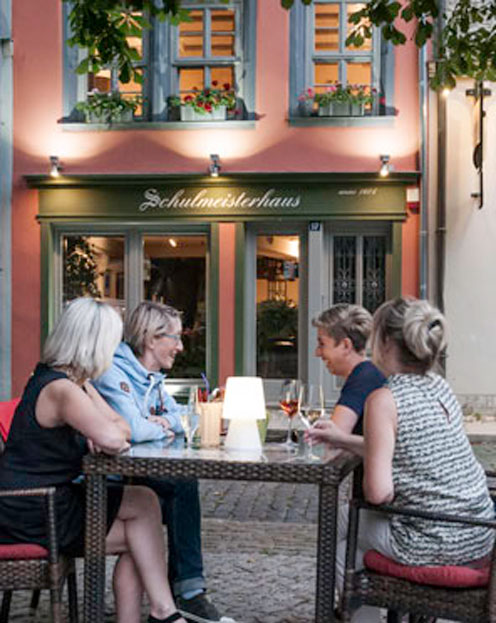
x: 134, y: 387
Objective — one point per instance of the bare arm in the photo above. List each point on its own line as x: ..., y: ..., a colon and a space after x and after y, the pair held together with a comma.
x: 103, y: 406
x: 337, y: 432
x: 380, y: 436
x: 64, y: 402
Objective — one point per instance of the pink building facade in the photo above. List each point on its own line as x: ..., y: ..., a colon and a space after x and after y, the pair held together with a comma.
x: 298, y: 217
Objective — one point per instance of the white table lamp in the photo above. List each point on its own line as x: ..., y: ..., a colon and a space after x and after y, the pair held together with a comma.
x: 244, y: 404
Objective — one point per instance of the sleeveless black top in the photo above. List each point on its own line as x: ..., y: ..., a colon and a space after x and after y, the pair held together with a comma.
x: 35, y: 456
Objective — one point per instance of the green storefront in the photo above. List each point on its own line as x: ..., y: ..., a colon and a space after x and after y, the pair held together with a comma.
x: 250, y: 259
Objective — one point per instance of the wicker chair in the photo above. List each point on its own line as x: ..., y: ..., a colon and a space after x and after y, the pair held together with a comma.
x: 30, y: 566
x: 420, y: 601
x: 27, y: 566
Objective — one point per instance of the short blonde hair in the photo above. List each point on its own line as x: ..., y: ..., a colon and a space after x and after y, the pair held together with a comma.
x: 416, y: 327
x: 148, y: 319
x: 346, y: 320
x: 84, y: 339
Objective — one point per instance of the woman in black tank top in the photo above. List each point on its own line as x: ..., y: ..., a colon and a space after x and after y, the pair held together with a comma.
x: 60, y: 417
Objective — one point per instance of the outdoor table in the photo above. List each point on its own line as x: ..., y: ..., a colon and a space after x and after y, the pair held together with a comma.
x: 172, y: 460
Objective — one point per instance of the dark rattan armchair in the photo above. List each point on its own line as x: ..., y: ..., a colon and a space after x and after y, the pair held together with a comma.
x: 26, y: 566
x: 421, y: 601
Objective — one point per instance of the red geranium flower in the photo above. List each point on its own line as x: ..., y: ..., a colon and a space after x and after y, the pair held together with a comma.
x: 208, y: 107
x: 226, y: 86
x: 188, y: 98
x: 214, y: 83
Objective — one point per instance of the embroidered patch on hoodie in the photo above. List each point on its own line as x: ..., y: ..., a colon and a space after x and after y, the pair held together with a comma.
x: 125, y: 387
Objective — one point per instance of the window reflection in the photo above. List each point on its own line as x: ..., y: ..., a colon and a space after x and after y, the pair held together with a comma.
x: 175, y: 274
x: 94, y: 266
x: 277, y: 306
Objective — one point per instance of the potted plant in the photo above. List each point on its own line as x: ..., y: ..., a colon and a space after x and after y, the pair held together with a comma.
x: 344, y: 100
x: 306, y: 102
x: 108, y: 107
x: 208, y: 104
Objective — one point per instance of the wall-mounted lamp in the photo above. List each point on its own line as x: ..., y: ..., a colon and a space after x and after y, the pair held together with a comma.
x: 173, y: 242
x: 55, y: 166
x: 214, y: 167
x: 385, y: 166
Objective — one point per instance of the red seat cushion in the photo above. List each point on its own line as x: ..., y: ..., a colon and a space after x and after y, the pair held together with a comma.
x: 7, y: 410
x: 22, y: 551
x: 452, y: 576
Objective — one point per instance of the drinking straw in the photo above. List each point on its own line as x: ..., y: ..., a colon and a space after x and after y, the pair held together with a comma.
x: 207, y: 384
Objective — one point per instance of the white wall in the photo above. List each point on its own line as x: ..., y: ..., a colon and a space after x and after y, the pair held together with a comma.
x: 470, y: 279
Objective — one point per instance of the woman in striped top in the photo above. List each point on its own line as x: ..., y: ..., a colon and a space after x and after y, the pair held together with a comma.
x: 416, y: 451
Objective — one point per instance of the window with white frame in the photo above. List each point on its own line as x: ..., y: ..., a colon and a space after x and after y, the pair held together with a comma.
x: 320, y: 57
x: 214, y: 49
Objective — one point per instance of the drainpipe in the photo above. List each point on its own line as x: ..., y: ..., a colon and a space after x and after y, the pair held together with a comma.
x: 441, y: 187
x: 424, y: 173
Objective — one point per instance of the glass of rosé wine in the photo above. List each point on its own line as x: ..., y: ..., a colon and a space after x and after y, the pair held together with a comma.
x: 288, y: 401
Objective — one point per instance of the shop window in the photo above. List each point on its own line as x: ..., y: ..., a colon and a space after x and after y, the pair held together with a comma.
x: 215, y: 48
x: 174, y: 273
x: 321, y: 58
x: 93, y: 266
x: 277, y: 299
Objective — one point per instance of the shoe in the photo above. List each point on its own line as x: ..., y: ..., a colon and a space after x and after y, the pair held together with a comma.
x: 200, y: 609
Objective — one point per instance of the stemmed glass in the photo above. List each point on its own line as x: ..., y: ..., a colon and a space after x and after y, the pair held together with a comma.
x: 310, y: 408
x: 190, y: 419
x: 288, y: 401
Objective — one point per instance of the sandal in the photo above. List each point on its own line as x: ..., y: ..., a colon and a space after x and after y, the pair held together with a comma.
x: 175, y: 616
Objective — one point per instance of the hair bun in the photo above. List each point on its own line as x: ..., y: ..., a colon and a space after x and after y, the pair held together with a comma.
x: 424, y: 331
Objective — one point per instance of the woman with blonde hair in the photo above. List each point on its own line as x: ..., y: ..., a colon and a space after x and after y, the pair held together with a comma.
x: 416, y: 451
x: 60, y: 417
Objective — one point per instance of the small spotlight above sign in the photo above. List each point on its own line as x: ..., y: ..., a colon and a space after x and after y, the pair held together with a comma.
x: 385, y: 165
x: 55, y: 166
x: 214, y: 167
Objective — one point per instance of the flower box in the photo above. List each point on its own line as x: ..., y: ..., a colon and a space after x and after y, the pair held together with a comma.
x: 341, y: 109
x: 188, y: 113
x: 126, y: 116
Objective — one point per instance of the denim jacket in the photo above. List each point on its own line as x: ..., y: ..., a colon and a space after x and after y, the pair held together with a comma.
x: 135, y: 393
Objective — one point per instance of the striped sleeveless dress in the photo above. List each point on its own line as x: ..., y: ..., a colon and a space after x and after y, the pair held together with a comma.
x: 434, y: 469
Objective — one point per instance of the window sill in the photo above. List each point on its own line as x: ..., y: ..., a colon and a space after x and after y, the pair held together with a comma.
x: 365, y: 120
x: 71, y: 126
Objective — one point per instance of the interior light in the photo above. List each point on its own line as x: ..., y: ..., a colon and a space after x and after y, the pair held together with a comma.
x: 214, y: 167
x: 173, y: 242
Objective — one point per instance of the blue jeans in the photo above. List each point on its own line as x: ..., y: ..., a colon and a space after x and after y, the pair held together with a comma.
x: 180, y: 503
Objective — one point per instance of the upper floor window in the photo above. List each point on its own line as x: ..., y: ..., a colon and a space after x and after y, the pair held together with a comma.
x: 321, y: 60
x: 107, y: 79
x: 332, y: 60
x: 215, y: 49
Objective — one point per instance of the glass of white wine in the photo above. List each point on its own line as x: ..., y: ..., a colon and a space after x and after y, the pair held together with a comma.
x: 190, y: 419
x: 310, y: 408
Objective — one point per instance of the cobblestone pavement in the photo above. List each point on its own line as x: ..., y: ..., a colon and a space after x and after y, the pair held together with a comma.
x: 259, y: 545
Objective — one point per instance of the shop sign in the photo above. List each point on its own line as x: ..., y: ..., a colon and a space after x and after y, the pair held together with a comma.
x: 186, y: 200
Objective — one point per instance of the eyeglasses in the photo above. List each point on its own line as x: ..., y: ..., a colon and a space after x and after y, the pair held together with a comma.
x: 173, y: 336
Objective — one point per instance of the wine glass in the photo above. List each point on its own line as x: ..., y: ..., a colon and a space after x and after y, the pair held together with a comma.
x: 190, y: 419
x: 310, y: 409
x: 288, y: 401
